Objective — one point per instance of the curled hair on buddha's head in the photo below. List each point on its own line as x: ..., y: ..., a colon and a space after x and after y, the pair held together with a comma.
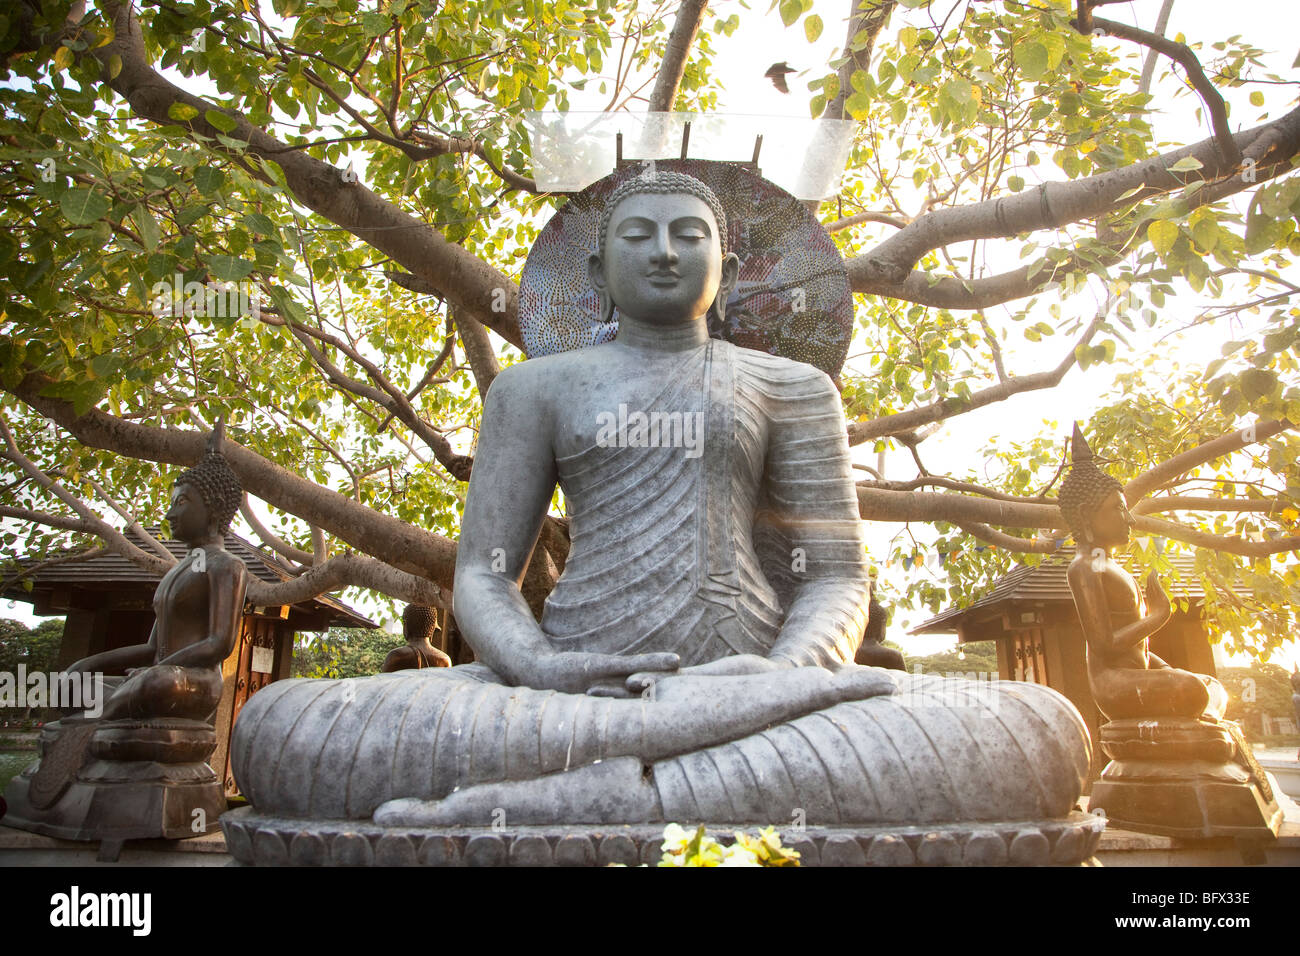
x: 1084, y: 488
x: 419, y: 621
x: 217, y: 483
x: 662, y: 182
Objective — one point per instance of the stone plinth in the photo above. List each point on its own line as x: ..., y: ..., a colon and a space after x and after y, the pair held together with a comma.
x: 261, y: 840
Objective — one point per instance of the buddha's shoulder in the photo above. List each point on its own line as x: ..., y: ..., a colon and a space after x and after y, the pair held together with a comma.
x: 547, y: 366
x: 528, y: 380
x: 782, y: 375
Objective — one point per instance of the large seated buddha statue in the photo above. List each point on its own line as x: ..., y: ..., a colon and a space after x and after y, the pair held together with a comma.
x: 1178, y: 768
x: 694, y: 662
x: 134, y: 765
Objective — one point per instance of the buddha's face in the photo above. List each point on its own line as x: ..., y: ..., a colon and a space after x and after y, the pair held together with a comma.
x: 1110, y: 524
x: 189, y: 516
x: 662, y: 262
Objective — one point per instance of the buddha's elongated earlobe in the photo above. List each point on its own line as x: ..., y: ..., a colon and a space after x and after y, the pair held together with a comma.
x: 596, y: 273
x: 718, y: 311
x: 718, y: 307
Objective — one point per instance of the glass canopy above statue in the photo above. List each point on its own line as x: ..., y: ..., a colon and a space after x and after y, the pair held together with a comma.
x: 571, y: 150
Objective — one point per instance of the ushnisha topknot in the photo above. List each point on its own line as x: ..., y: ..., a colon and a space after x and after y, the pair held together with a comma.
x: 663, y: 182
x: 216, y: 482
x: 419, y: 621
x: 1084, y: 488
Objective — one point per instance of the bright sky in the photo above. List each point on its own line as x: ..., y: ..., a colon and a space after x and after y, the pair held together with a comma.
x: 762, y: 40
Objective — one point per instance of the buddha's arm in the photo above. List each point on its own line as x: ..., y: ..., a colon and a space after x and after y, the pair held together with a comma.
x: 510, y: 487
x: 227, y: 581
x: 810, y: 490
x: 1094, y: 612
x: 509, y: 490
x: 119, y: 659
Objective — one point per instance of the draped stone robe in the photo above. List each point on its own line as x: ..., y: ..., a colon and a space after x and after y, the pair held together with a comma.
x: 713, y: 550
x: 752, y: 547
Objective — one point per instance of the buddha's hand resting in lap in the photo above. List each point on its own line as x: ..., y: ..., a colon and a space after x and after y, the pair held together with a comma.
x: 843, y: 682
x: 579, y: 673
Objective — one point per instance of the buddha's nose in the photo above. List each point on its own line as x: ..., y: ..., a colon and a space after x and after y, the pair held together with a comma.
x: 664, y: 252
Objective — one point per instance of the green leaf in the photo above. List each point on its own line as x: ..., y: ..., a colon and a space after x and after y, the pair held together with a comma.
x: 220, y: 120
x: 82, y: 206
x: 812, y: 27
x: 147, y: 226
x: 1186, y: 164
x: 209, y: 180
x: 1163, y: 234
x: 182, y: 112
x: 1032, y: 59
x: 858, y: 105
x: 1015, y: 183
x: 228, y: 268
x: 1256, y: 98
x: 790, y: 11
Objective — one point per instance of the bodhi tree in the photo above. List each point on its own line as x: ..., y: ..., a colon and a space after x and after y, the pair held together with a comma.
x: 1005, y: 186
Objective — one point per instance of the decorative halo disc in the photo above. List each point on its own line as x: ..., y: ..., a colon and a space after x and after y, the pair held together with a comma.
x: 792, y: 297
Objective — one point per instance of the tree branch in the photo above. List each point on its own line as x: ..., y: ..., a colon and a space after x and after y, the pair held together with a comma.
x: 887, y: 269
x: 948, y: 407
x: 350, y: 570
x: 478, y: 348
x: 1190, y: 503
x: 1180, y: 53
x: 414, y: 550
x: 685, y: 28
x: 93, y: 523
x: 868, y: 19
x: 1163, y: 473
x: 1231, y: 544
x: 272, y: 540
x: 1007, y: 541
x: 464, y: 279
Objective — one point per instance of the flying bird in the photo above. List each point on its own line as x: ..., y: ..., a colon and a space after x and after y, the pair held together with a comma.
x: 776, y: 73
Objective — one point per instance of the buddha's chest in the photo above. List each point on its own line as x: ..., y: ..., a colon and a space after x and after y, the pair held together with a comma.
x: 635, y: 406
x: 181, y: 600
x: 1120, y: 590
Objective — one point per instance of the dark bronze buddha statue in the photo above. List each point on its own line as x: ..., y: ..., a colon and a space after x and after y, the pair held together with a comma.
x: 139, y: 769
x: 197, y: 608
x: 419, y: 624
x: 1177, y: 768
x: 1127, y: 680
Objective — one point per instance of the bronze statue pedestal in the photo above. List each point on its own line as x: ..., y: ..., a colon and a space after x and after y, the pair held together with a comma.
x: 119, y: 780
x: 1184, y: 778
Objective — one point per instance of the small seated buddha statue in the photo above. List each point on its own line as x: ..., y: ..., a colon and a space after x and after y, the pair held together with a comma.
x: 134, y: 767
x: 1177, y: 767
x: 419, y: 624
x: 873, y: 652
x: 694, y: 661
